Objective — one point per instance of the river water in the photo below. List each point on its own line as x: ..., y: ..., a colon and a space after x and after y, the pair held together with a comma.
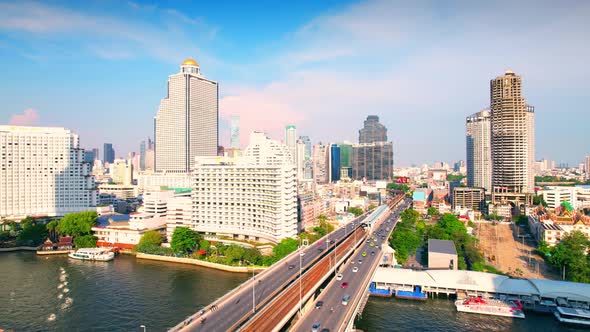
x: 125, y: 293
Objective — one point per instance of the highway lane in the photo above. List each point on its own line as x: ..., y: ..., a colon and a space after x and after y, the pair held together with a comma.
x: 233, y: 310
x: 333, y: 313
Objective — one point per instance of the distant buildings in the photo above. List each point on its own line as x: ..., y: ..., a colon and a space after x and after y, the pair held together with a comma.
x: 186, y: 125
x: 372, y: 161
x: 122, y: 172
x: 334, y: 163
x: 321, y: 163
x: 373, y: 131
x: 587, y: 163
x: 470, y: 198
x: 512, y: 140
x: 479, y: 154
x: 552, y: 226
x: 308, y: 165
x: 43, y: 173
x: 234, y: 132
x: 345, y: 160
x: 109, y: 153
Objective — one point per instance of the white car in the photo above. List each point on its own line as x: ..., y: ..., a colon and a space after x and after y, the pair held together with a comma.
x: 355, y: 269
x: 339, y: 276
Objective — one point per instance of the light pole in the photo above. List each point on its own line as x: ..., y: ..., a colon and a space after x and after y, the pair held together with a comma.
x: 253, y: 292
x: 143, y: 327
x: 300, y: 268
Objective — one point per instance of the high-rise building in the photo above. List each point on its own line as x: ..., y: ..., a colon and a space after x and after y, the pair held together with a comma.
x: 122, y: 172
x: 96, y: 155
x: 186, y: 125
x: 373, y: 131
x: 291, y: 140
x: 512, y: 137
x: 479, y: 152
x: 109, y: 153
x: 234, y: 140
x: 261, y: 203
x: 301, y: 159
x: 320, y: 163
x: 334, y: 163
x: 587, y: 167
x: 43, y: 173
x: 345, y: 160
x: 89, y: 156
x: 142, y: 150
x: 372, y: 161
x: 308, y: 163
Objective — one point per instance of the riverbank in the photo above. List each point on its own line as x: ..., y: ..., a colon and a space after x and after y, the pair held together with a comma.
x: 11, y: 249
x: 191, y: 261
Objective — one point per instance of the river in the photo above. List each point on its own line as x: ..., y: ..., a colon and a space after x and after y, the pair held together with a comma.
x: 125, y: 293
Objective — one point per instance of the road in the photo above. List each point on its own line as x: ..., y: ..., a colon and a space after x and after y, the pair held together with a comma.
x: 269, y: 318
x: 231, y: 311
x: 333, y: 313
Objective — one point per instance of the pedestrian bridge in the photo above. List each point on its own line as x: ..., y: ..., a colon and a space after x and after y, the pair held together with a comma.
x: 472, y: 283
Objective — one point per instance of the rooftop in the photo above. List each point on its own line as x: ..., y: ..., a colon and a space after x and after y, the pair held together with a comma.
x: 442, y: 246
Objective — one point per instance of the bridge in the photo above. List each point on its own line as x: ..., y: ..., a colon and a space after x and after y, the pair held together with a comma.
x: 269, y: 300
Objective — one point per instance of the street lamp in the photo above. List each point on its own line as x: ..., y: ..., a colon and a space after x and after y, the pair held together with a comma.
x: 143, y: 327
x: 253, y: 292
x: 300, y: 268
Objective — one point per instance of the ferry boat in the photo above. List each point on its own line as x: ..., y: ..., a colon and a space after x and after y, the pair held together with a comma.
x: 490, y: 307
x: 572, y: 316
x: 93, y: 254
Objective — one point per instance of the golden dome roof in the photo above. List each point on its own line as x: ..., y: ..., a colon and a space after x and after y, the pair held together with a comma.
x: 190, y: 62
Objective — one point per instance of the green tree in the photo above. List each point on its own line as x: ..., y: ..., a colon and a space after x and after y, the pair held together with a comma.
x: 235, y: 253
x: 204, y: 244
x: 371, y: 207
x: 52, y: 229
x: 253, y: 256
x: 356, y: 211
x: 285, y: 247
x: 538, y: 200
x: 149, y: 242
x: 543, y: 248
x: 184, y: 240
x: 453, y: 177
x: 85, y: 241
x: 432, y: 211
x: 571, y: 254
x: 76, y: 224
x: 32, y: 233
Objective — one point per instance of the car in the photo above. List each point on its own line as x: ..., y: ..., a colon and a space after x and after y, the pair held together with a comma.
x: 372, y: 253
x: 331, y: 241
x: 364, y: 254
x: 360, y: 261
x: 352, y: 261
x: 355, y: 269
x: 339, y: 276
x: 372, y: 244
x: 344, y: 285
x: 315, y: 327
x: 319, y: 304
x: 291, y: 266
x: 368, y: 240
x: 320, y: 243
x: 325, y: 330
x: 345, y: 299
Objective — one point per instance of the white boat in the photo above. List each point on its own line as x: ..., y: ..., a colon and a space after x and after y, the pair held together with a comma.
x: 477, y: 305
x: 572, y: 316
x: 93, y: 254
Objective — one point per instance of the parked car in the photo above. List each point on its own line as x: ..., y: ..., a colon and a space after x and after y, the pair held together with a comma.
x: 360, y: 261
x: 315, y: 327
x: 319, y: 304
x: 345, y: 299
x: 372, y: 253
x: 339, y: 276
x: 355, y: 269
x: 344, y: 285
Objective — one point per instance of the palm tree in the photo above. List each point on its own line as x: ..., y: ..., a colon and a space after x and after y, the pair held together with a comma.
x: 51, y: 227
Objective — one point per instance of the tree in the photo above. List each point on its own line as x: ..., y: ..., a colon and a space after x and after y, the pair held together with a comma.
x: 538, y: 200
x: 52, y: 227
x: 571, y: 254
x: 432, y: 211
x: 371, y: 207
x: 204, y: 245
x: 543, y: 248
x: 32, y: 233
x: 85, y: 241
x: 76, y: 224
x: 234, y: 253
x: 252, y: 256
x: 285, y: 247
x: 184, y: 240
x: 149, y: 242
x: 356, y: 211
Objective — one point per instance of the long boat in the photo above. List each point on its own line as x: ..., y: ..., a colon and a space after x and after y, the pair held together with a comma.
x: 93, y: 254
x: 572, y: 316
x: 490, y: 307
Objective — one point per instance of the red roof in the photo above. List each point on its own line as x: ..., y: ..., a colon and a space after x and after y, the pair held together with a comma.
x: 464, y: 217
x: 115, y: 245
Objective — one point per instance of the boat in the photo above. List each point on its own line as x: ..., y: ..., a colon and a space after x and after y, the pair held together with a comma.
x: 93, y: 254
x: 572, y: 316
x: 505, y: 308
x: 415, y: 294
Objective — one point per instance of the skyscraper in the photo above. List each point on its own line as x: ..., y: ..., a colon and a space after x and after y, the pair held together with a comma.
x: 334, y: 163
x: 142, y: 150
x: 346, y: 159
x: 234, y: 140
x: 109, y: 153
x: 186, y: 125
x: 320, y: 163
x: 43, y: 173
x: 587, y: 167
x: 373, y: 131
x: 95, y: 152
x: 479, y: 154
x: 291, y: 140
x: 512, y: 136
x: 372, y: 161
x: 308, y: 167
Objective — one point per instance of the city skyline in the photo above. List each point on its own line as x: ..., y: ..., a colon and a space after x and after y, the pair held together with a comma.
x: 294, y: 73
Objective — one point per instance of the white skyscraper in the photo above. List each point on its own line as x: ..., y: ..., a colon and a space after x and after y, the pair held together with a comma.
x: 479, y: 154
x: 253, y: 197
x: 186, y: 125
x: 43, y: 173
x: 291, y: 140
x: 320, y: 163
x: 234, y: 141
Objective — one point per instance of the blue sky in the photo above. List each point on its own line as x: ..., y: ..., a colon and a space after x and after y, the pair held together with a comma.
x: 100, y: 67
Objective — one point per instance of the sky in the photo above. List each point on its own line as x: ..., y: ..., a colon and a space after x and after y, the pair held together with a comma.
x: 100, y: 68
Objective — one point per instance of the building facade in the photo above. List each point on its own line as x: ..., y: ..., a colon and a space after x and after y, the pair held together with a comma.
x: 512, y: 136
x: 186, y: 125
x: 320, y: 163
x: 109, y: 153
x: 334, y: 163
x: 372, y: 161
x: 43, y: 173
x: 479, y: 152
x: 372, y: 131
x: 470, y: 198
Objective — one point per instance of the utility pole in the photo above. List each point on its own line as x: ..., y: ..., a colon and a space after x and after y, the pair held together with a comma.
x: 253, y: 292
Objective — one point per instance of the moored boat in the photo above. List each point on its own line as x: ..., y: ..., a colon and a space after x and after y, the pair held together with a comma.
x: 573, y: 316
x: 93, y: 254
x: 504, y: 308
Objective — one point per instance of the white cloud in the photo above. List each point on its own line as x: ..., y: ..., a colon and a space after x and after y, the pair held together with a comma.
x: 28, y: 117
